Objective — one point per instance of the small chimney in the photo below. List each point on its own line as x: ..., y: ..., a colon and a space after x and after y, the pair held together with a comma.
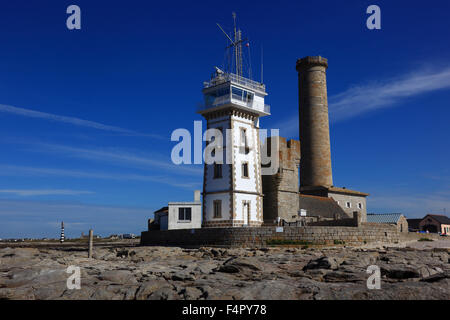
x: 197, y: 195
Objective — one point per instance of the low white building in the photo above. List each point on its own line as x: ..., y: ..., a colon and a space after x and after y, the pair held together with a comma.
x: 179, y: 215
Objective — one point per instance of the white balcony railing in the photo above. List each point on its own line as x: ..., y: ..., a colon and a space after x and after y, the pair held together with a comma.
x: 226, y: 77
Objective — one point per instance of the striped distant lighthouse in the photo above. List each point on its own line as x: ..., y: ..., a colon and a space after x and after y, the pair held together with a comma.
x: 61, y: 239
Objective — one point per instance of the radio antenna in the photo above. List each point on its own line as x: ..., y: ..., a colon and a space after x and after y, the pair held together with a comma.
x: 249, y: 62
x: 262, y: 64
x: 236, y: 44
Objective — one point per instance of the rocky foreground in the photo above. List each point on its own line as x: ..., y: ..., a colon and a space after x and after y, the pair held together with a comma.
x: 212, y: 273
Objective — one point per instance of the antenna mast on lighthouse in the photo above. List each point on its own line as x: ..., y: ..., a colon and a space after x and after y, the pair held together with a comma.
x: 236, y: 44
x: 234, y: 103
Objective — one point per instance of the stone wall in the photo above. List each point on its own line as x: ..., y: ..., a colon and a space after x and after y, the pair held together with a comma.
x: 356, y: 221
x: 281, y: 189
x: 353, y: 199
x: 348, y: 222
x: 414, y: 236
x: 402, y: 225
x: 260, y: 236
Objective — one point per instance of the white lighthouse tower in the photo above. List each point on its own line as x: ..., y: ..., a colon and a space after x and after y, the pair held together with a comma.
x: 232, y: 190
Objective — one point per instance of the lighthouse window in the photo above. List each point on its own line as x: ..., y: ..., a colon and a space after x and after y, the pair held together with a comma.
x: 217, y: 208
x: 217, y: 170
x: 210, y: 97
x: 237, y: 93
x: 244, y: 138
x: 219, y: 92
x: 242, y: 95
x: 223, y: 91
x: 245, y: 170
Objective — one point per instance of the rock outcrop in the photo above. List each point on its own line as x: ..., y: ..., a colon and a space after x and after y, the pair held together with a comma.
x: 214, y: 273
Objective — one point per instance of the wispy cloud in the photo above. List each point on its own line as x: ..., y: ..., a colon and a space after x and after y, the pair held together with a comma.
x: 387, y: 93
x: 72, y: 120
x: 360, y: 99
x: 27, y: 218
x: 8, y: 170
x: 67, y: 225
x: 288, y: 127
x: 44, y: 192
x: 413, y: 205
x: 119, y: 156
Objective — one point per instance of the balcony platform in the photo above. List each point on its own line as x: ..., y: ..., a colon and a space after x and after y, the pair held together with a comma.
x: 227, y: 90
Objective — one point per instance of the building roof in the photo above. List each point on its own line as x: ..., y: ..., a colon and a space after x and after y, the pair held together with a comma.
x: 163, y: 209
x: 321, y: 206
x: 332, y: 189
x: 439, y: 218
x: 383, y: 217
x: 413, y: 223
x: 185, y: 203
x: 347, y: 191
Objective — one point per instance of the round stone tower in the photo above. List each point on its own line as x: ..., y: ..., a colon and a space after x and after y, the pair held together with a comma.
x: 315, y: 165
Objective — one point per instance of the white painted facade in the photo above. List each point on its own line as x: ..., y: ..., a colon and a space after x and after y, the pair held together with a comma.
x: 180, y: 215
x: 174, y: 221
x: 234, y: 106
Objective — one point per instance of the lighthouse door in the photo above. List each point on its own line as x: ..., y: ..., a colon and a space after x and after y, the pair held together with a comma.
x: 246, y: 213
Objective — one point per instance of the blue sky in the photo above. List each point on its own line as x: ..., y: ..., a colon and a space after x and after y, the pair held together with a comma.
x: 86, y: 115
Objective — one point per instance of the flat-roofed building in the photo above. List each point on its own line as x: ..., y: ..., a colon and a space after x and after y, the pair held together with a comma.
x: 178, y: 215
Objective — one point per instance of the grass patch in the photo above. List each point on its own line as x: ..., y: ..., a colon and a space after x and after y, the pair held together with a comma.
x: 425, y: 239
x: 339, y: 242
